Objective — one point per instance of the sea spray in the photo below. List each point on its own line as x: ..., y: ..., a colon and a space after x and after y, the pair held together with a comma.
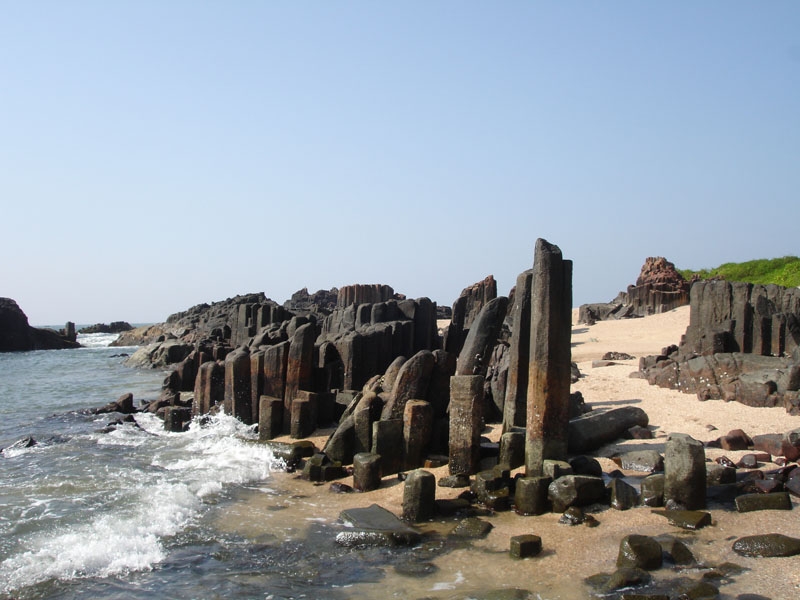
x: 121, y: 495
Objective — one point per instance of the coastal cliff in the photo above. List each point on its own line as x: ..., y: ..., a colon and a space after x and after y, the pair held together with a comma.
x: 17, y: 335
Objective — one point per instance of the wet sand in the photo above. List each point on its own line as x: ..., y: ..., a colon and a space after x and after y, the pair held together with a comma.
x: 569, y: 553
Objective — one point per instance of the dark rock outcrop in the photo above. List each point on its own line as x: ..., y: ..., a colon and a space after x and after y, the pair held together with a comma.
x: 320, y: 302
x: 113, y: 327
x: 17, y: 335
x: 465, y: 310
x: 742, y: 344
x: 659, y: 288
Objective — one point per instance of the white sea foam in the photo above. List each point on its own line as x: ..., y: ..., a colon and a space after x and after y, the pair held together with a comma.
x: 112, y: 543
x: 96, y: 340
x: 147, y: 505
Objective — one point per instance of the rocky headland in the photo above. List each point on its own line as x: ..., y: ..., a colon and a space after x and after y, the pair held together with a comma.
x: 17, y: 335
x: 659, y: 288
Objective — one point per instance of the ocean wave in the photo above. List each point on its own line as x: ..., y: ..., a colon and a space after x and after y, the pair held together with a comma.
x: 96, y: 340
x: 142, y: 505
x: 108, y: 544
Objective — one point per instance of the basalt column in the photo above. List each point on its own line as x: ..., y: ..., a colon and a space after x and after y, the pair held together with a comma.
x: 515, y: 408
x: 549, y: 366
x: 237, y: 385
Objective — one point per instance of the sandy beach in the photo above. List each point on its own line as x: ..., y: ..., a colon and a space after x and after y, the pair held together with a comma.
x: 569, y: 553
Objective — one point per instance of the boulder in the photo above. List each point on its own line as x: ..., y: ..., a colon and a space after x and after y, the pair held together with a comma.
x: 124, y: 405
x: 591, y: 431
x: 375, y: 526
x: 412, y: 381
x: 685, y: 473
x: 767, y: 545
x: 575, y: 490
x: 640, y: 552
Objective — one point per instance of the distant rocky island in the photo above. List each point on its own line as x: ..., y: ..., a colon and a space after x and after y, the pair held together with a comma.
x: 113, y: 327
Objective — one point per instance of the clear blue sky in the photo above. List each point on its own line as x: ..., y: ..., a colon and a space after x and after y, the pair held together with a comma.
x: 159, y: 154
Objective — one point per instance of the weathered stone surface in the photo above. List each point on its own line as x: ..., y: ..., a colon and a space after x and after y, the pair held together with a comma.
x: 124, y: 405
x: 575, y: 490
x: 366, y: 412
x: 482, y: 336
x: 417, y: 430
x: 585, y: 465
x: 412, y: 382
x: 275, y: 364
x: 270, y: 418
x: 597, y: 428
x: 419, y: 495
x: 363, y: 294
x: 291, y: 453
x: 340, y: 446
x: 686, y: 519
x: 366, y: 471
x: 465, y: 309
x: 304, y: 414
x: 774, y: 501
x: 176, y: 418
x: 648, y: 461
x: 735, y: 439
x: 623, y: 495
x: 767, y: 545
x: 639, y: 551
x: 524, y: 546
x: 549, y: 365
x: 299, y: 365
x: 237, y: 385
x: 466, y: 411
x: 685, y: 473
x: 392, y: 371
x: 531, y: 495
x: 375, y: 526
x: 512, y: 449
x: 472, y: 528
x: 675, y: 550
x: 624, y: 577
x: 556, y: 468
x: 652, y: 490
x: 717, y: 474
x: 516, y: 400
x: 387, y: 441
x: 776, y: 444
x: 439, y: 387
x: 209, y: 389
x: 321, y: 468
x: 495, y: 386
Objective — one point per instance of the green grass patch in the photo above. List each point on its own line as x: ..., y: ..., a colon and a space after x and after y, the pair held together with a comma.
x: 781, y: 271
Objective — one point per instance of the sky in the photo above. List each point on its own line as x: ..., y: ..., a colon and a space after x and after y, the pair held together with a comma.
x: 159, y: 154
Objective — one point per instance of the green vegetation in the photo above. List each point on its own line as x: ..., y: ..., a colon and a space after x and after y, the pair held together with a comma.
x: 782, y: 271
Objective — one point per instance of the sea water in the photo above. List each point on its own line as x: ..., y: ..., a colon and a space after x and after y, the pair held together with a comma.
x: 93, y: 510
x: 106, y: 509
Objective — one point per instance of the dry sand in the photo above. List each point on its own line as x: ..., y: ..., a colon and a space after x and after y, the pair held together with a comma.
x: 570, y: 553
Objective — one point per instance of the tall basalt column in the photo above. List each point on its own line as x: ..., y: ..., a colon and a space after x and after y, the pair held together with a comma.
x: 299, y: 367
x: 237, y: 385
x: 515, y: 408
x: 209, y: 387
x: 550, y: 354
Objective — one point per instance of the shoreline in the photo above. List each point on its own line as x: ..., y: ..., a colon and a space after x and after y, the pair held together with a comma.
x: 569, y: 553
